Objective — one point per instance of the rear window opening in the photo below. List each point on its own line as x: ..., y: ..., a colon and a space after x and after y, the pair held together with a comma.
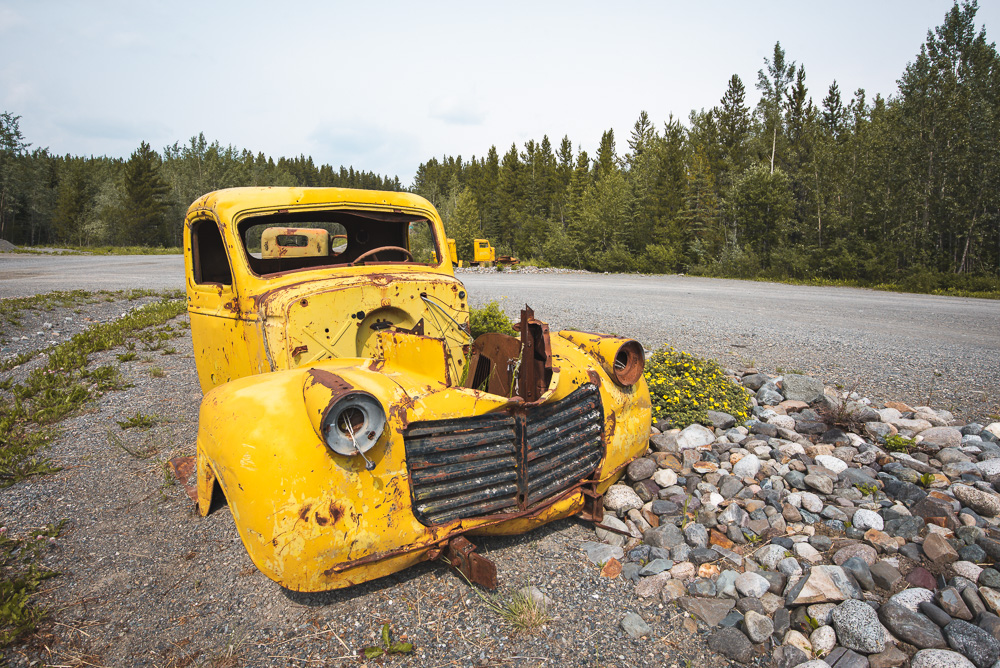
x: 298, y: 240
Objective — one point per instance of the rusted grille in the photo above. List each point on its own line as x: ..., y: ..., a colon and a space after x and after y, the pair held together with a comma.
x: 500, y: 462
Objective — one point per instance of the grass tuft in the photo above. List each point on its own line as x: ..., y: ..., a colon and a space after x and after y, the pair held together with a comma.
x: 20, y: 578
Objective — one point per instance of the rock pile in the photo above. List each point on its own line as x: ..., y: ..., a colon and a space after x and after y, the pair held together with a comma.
x: 816, y: 532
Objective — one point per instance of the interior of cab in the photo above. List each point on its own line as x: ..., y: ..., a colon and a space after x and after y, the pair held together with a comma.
x: 287, y: 240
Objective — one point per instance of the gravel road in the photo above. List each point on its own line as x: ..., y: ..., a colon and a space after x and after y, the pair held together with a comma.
x: 921, y: 349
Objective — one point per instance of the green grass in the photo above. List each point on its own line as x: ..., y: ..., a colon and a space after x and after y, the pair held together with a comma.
x: 20, y: 578
x: 139, y: 421
x: 64, y: 384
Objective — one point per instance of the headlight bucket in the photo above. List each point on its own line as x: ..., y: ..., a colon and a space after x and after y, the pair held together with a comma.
x: 622, y: 359
x: 353, y: 423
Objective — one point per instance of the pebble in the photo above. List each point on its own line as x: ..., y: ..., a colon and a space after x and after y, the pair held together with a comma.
x: 858, y: 627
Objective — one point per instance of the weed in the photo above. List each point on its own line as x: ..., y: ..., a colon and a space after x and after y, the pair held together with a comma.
x: 519, y: 610
x: 897, y: 443
x: 926, y: 480
x: 139, y: 421
x: 169, y: 350
x: 388, y: 646
x: 127, y: 356
x: 20, y: 577
x: 866, y: 489
x: 156, y: 372
x: 118, y: 441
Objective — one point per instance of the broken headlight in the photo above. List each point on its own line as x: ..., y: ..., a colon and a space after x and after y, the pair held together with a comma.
x: 353, y: 424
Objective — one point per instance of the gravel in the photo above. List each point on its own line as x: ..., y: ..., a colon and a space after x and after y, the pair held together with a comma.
x: 920, y: 349
x: 147, y: 582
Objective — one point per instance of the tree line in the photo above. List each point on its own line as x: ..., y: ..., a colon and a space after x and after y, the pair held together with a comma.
x: 904, y: 188
x: 873, y: 190
x: 141, y: 201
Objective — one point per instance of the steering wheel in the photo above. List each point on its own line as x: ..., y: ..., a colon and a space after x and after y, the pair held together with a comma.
x: 379, y: 250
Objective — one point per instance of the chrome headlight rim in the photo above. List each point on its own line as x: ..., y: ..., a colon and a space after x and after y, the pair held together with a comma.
x: 353, y: 424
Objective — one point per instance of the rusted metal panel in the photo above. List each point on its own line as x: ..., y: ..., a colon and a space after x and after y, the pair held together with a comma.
x: 466, y: 467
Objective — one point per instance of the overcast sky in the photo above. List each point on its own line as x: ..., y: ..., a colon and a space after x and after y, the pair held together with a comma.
x: 385, y: 86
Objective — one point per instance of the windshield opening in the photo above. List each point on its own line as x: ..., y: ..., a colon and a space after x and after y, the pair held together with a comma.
x: 296, y: 240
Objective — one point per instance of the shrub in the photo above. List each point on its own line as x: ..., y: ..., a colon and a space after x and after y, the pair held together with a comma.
x: 490, y: 319
x: 683, y: 388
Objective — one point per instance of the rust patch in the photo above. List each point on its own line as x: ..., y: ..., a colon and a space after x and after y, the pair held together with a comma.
x: 321, y: 520
x: 304, y: 512
x: 183, y: 470
x: 336, y: 512
x: 298, y: 350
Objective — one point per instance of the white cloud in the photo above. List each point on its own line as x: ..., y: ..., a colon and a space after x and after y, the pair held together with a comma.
x: 458, y: 110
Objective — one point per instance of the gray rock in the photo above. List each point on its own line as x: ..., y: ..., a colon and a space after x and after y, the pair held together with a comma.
x: 885, y: 575
x: 734, y: 515
x: 612, y: 537
x: 696, y: 535
x: 747, y: 467
x: 721, y: 420
x: 858, y: 627
x: 867, y: 519
x: 725, y: 584
x: 709, y: 610
x: 789, y: 566
x: 621, y: 499
x: 857, y: 567
x: 905, y: 527
x: 695, y: 436
x: 752, y: 584
x: 665, y: 536
x: 974, y: 643
x: 934, y: 613
x: 941, y: 437
x: 731, y: 643
x: 641, y: 469
x: 768, y: 397
x: 950, y: 600
x: 600, y: 553
x: 820, y: 483
x: 758, y: 627
x: 664, y: 442
x: 770, y: 556
x: 845, y: 658
x: 939, y: 658
x: 635, y: 626
x: 982, y: 502
x: 801, y: 388
x: 788, y: 656
x: 822, y: 584
x: 656, y: 566
x: 911, y: 627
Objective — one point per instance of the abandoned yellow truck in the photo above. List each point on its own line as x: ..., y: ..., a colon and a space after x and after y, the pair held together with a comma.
x: 352, y: 425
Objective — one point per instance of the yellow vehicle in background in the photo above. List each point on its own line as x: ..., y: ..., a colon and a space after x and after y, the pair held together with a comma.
x: 352, y: 425
x: 482, y: 252
x: 452, y: 253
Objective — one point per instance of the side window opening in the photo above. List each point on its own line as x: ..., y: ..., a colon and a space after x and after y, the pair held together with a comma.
x: 208, y: 254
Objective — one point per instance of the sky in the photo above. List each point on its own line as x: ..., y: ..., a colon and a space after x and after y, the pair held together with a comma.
x: 386, y: 86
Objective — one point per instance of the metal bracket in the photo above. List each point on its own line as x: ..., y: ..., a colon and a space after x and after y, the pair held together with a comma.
x: 183, y: 470
x: 593, y: 506
x: 461, y: 554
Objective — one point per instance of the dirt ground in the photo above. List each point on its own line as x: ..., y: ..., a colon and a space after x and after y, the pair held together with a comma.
x: 145, y: 581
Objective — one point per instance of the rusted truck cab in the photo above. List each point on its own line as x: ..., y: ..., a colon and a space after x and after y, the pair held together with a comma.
x: 348, y: 418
